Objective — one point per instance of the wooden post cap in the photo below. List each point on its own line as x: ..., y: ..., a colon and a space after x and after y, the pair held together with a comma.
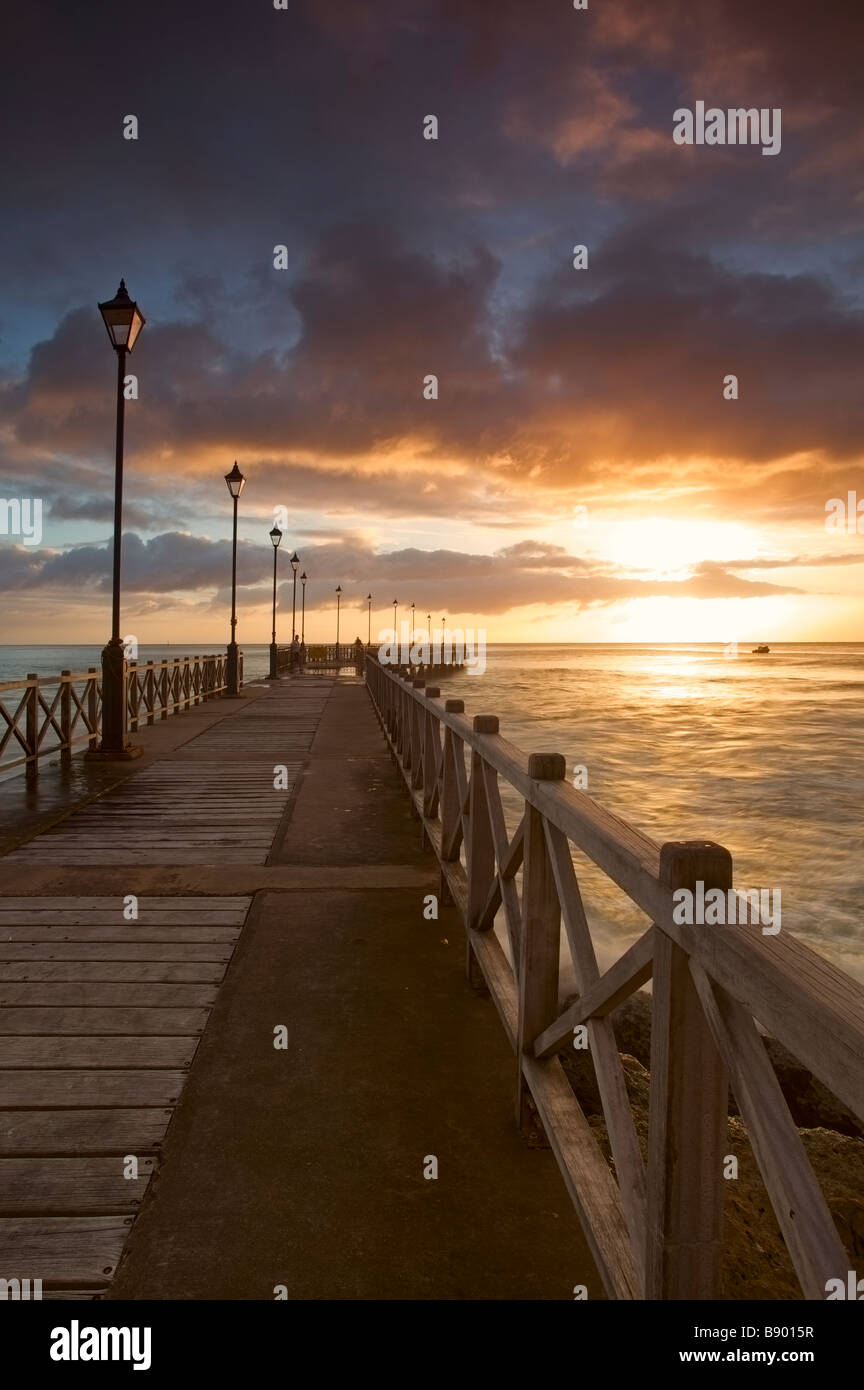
x: 418, y: 684
x: 485, y: 724
x: 547, y: 767
x: 454, y: 706
x: 433, y: 691
x: 684, y: 863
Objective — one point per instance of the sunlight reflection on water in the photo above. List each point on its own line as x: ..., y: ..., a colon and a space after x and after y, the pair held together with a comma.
x: 760, y: 753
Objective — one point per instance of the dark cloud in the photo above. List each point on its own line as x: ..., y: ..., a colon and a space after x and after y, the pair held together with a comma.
x: 516, y: 576
x: 410, y: 257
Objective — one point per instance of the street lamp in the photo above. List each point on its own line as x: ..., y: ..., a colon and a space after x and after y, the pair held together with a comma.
x: 295, y: 565
x: 236, y: 483
x: 124, y: 321
x: 275, y: 536
x: 369, y: 627
x: 338, y: 603
x: 412, y: 623
x: 303, y: 610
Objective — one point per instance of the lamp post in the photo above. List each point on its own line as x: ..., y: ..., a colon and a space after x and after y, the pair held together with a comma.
x: 413, y: 629
x: 275, y: 536
x: 338, y: 604
x: 303, y: 610
x: 369, y: 625
x: 295, y: 565
x: 124, y: 321
x: 236, y: 483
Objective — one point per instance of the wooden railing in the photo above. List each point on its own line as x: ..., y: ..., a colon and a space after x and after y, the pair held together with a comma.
x: 165, y: 687
x: 51, y: 715
x: 333, y: 654
x: 655, y: 1228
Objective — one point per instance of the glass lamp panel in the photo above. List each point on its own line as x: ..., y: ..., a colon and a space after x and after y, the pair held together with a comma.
x: 135, y: 328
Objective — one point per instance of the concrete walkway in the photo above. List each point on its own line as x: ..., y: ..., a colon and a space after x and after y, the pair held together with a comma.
x: 301, y: 1168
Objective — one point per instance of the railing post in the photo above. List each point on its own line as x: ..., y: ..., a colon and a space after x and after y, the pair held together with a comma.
x: 401, y: 697
x: 450, y: 810
x: 417, y: 737
x: 65, y: 717
x: 92, y: 707
x: 31, y: 727
x: 431, y: 752
x: 149, y: 693
x: 163, y: 689
x: 132, y: 695
x: 687, y: 1133
x: 539, y: 942
x: 479, y: 845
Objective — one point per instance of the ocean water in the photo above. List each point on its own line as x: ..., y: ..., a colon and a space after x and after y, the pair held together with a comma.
x: 764, y: 754
x: 46, y: 661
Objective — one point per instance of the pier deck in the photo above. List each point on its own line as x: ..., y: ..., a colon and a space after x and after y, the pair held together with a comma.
x: 260, y: 906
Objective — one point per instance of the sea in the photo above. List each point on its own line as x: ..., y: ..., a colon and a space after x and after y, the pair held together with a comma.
x: 763, y: 753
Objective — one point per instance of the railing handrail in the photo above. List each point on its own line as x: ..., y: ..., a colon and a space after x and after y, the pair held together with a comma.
x: 733, y: 980
x: 27, y: 682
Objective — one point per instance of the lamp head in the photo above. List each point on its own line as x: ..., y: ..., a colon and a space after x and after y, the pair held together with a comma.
x: 235, y: 480
x: 123, y: 319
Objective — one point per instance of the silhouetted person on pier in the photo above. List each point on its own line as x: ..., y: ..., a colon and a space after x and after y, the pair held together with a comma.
x: 295, y: 654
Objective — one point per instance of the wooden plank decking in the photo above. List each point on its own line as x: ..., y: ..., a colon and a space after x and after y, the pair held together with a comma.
x: 171, y: 814
x: 99, y: 1022
x: 100, y: 1015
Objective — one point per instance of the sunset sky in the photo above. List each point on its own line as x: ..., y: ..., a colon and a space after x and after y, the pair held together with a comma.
x: 559, y: 389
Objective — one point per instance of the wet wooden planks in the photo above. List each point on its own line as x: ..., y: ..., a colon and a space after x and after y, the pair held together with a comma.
x: 93, y: 1058
x: 174, y: 813
x: 282, y: 724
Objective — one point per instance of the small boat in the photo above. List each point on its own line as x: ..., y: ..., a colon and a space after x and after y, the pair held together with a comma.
x: 760, y: 651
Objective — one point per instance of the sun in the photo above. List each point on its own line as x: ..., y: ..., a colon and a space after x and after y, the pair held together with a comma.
x: 662, y: 547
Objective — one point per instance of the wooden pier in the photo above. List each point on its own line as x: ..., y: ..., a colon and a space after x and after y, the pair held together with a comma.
x: 234, y: 1035
x: 152, y: 1038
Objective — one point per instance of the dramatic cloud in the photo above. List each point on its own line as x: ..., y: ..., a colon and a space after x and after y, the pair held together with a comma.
x: 410, y: 258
